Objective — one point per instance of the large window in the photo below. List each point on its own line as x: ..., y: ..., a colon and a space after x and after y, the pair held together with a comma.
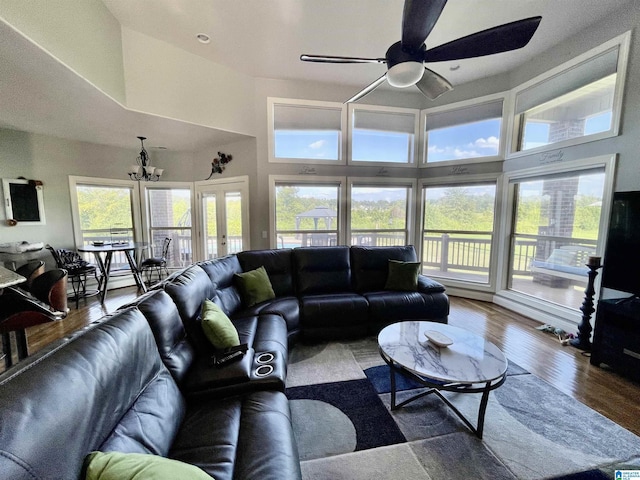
x: 306, y: 214
x: 457, y: 232
x: 105, y: 210
x: 379, y: 214
x: 574, y: 103
x: 169, y: 216
x: 307, y: 131
x: 556, y: 227
x: 464, y: 131
x: 383, y: 134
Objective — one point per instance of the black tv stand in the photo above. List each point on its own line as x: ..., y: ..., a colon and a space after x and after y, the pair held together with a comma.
x: 616, y: 339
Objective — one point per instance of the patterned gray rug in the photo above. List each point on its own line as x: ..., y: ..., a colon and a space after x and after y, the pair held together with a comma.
x: 532, y: 431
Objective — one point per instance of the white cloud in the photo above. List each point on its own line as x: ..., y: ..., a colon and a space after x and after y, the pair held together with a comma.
x: 489, y: 143
x: 318, y: 144
x: 465, y: 153
x: 435, y: 149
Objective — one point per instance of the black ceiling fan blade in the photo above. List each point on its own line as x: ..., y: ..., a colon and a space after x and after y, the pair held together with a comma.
x: 332, y: 59
x: 368, y: 89
x: 432, y: 85
x: 418, y: 19
x: 503, y: 38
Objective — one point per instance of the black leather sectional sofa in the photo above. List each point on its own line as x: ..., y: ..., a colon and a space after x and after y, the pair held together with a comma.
x: 140, y: 380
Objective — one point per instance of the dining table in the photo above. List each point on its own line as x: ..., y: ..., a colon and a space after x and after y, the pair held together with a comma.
x: 103, y: 253
x: 9, y: 278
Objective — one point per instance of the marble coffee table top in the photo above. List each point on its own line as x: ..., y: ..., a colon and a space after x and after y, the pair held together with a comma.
x: 469, y: 359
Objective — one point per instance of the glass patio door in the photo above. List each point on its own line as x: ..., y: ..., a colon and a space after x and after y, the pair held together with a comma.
x: 224, y: 226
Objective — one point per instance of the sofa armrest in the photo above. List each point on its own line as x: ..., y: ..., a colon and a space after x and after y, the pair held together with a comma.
x: 428, y: 285
x: 204, y: 376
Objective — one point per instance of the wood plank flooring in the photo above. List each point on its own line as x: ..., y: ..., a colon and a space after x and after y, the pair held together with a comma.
x: 565, y: 367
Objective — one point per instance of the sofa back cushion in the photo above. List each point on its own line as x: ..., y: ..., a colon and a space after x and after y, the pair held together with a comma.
x: 277, y: 263
x: 175, y: 349
x: 370, y: 265
x: 104, y: 389
x: 187, y: 290
x: 322, y: 270
x: 221, y: 272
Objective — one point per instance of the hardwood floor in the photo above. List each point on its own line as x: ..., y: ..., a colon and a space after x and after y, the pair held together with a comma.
x: 565, y: 367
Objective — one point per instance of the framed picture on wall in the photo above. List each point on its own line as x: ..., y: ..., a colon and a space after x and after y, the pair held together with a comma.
x: 23, y: 201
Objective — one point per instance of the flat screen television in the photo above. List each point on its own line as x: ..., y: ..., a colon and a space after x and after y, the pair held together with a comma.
x: 621, y: 269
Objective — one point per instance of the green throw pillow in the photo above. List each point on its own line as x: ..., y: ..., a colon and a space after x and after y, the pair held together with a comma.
x: 255, y: 286
x: 402, y: 276
x: 138, y: 466
x: 217, y: 327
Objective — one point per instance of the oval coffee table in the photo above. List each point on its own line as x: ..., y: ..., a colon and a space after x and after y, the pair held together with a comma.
x: 469, y: 365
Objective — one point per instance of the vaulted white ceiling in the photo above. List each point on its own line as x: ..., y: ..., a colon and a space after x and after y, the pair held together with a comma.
x: 263, y: 39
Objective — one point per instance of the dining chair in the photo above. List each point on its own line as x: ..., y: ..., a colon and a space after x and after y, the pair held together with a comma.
x: 157, y: 264
x: 79, y: 269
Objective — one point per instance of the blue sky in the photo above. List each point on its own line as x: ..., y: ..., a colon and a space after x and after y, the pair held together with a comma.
x: 472, y: 140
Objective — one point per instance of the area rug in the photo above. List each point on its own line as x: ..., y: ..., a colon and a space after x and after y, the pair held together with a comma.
x: 353, y: 418
x: 532, y: 431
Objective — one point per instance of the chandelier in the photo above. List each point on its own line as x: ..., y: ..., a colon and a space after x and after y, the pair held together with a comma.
x: 143, y: 170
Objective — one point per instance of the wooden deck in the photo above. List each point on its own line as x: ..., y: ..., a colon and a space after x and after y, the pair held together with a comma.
x: 566, y: 368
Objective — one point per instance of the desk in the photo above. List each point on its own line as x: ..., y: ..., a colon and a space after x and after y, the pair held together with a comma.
x: 105, y: 263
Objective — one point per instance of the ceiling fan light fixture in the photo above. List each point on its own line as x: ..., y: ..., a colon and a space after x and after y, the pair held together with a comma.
x: 405, y: 74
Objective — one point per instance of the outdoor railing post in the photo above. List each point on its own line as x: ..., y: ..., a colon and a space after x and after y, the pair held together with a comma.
x: 444, y: 259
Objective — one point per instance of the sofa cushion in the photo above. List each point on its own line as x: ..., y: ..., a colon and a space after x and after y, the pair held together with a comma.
x: 76, y: 395
x: 217, y: 327
x: 322, y: 270
x: 175, y: 349
x: 132, y: 466
x: 370, y: 265
x: 388, y: 307
x: 287, y: 307
x: 338, y: 309
x: 221, y: 273
x: 188, y: 290
x: 240, y: 438
x: 278, y: 264
x: 255, y: 286
x: 402, y: 276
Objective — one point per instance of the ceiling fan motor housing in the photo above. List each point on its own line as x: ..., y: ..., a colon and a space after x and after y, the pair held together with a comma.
x: 405, y: 66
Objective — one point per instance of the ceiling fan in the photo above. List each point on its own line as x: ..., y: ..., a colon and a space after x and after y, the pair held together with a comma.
x: 405, y: 59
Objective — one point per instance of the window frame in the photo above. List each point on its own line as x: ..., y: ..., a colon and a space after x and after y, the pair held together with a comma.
x: 75, y: 181
x: 535, y: 308
x: 307, y: 180
x: 384, y: 182
x: 146, y: 212
x: 456, y: 285
x: 273, y: 102
x: 466, y: 104
x: 351, y: 112
x: 622, y: 42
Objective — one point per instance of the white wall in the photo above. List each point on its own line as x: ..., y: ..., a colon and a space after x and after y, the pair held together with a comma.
x: 52, y: 160
x: 170, y: 82
x: 81, y: 34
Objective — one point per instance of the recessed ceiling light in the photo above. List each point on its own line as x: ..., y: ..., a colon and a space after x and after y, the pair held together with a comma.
x: 203, y: 38
x: 453, y: 68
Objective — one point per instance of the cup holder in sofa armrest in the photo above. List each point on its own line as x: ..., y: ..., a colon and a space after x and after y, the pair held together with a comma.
x: 264, y: 358
x: 264, y: 370
x: 204, y: 376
